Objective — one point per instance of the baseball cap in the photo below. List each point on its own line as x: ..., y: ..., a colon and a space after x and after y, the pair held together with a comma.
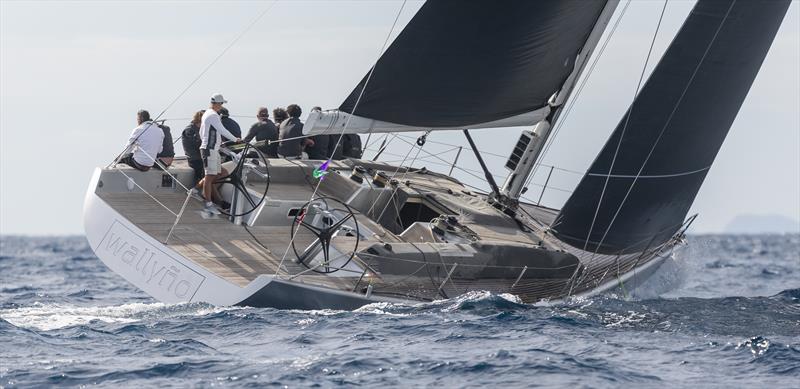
x: 217, y: 98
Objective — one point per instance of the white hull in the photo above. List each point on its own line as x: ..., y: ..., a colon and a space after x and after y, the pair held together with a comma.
x: 170, y: 277
x: 149, y: 264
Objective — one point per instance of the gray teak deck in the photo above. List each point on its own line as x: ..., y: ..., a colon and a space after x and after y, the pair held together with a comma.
x: 239, y: 254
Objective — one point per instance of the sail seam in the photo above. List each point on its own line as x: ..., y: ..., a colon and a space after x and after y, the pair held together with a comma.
x: 650, y: 176
x: 625, y: 126
x: 571, y: 102
x: 664, y: 128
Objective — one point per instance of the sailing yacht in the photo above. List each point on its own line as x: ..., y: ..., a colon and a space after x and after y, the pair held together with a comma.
x: 304, y: 234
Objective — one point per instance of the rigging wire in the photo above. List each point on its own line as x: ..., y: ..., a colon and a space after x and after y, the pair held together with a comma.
x: 369, y: 144
x: 625, y: 126
x: 573, y: 281
x: 202, y: 73
x: 384, y: 145
x: 456, y: 145
x: 474, y: 173
x: 349, y: 117
x: 470, y: 172
x: 666, y: 124
x: 427, y: 160
x: 572, y: 102
x: 369, y: 76
x: 394, y: 191
x: 467, y: 171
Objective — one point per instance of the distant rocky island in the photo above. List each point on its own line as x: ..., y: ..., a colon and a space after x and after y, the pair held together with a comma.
x: 762, y: 224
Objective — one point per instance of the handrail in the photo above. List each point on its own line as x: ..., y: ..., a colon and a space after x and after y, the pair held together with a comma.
x: 434, y: 158
x: 165, y: 169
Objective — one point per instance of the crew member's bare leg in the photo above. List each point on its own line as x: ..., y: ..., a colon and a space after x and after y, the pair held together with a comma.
x: 208, y: 187
x: 215, y: 188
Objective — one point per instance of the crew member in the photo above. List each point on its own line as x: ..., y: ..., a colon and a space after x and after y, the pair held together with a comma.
x: 319, y: 148
x: 211, y: 133
x: 335, y: 148
x: 146, y: 140
x: 190, y: 137
x: 351, y: 146
x: 167, y: 154
x: 264, y: 130
x: 291, y: 135
x: 230, y: 124
x: 279, y: 114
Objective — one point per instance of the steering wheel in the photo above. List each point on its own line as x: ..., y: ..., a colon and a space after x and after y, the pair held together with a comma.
x: 323, y: 218
x: 237, y: 179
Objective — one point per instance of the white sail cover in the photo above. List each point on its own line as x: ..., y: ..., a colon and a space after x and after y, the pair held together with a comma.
x: 336, y: 122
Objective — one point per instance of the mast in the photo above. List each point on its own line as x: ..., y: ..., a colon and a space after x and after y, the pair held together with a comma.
x: 529, y: 147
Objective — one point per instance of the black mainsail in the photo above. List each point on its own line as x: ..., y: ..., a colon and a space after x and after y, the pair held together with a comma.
x: 640, y: 187
x: 459, y: 63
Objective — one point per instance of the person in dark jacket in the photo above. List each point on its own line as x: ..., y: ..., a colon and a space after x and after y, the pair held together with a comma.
x: 264, y: 129
x: 319, y: 147
x: 228, y: 123
x: 291, y: 135
x: 351, y: 146
x: 191, y: 146
x: 335, y: 147
x: 167, y: 154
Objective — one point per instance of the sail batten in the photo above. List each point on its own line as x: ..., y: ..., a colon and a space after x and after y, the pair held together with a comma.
x: 461, y: 63
x: 638, y: 176
x: 661, y: 154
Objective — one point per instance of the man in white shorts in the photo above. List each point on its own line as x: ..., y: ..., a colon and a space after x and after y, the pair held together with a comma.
x: 211, y: 133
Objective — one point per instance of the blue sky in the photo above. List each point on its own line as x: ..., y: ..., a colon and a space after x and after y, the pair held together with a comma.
x: 73, y: 74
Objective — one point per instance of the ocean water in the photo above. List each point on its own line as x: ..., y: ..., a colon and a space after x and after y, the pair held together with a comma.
x: 724, y: 313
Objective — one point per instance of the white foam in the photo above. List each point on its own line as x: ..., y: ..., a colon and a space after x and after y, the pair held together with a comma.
x: 457, y: 302
x: 382, y: 308
x: 632, y: 318
x: 304, y: 323
x: 46, y: 317
x: 511, y: 297
x: 319, y: 312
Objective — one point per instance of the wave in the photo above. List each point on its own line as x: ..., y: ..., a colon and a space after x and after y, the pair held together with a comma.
x: 47, y: 317
x: 778, y: 314
x: 731, y: 316
x: 475, y: 339
x: 734, y: 316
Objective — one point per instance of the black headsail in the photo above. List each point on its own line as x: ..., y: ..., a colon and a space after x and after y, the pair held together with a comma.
x: 466, y: 62
x: 676, y: 127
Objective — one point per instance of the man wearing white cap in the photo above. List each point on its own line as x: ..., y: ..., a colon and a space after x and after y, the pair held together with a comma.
x: 211, y: 133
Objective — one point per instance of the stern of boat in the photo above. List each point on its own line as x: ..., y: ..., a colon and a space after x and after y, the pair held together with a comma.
x: 148, y: 263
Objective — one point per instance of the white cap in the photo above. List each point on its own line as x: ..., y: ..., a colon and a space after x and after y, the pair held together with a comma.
x: 217, y: 98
